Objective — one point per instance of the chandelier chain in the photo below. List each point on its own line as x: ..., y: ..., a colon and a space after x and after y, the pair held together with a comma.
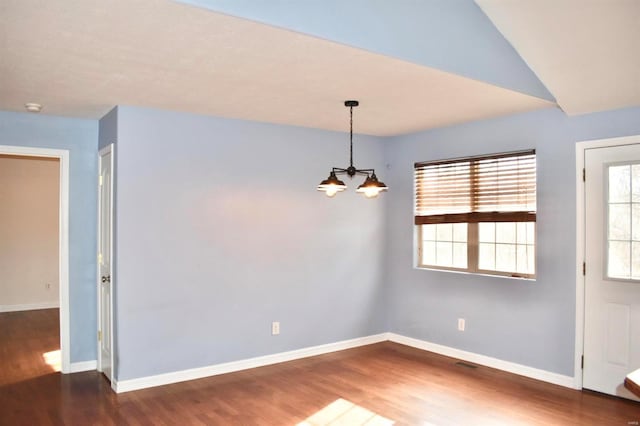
x: 351, y: 136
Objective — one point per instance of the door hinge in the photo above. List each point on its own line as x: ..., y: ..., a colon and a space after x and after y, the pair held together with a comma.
x: 582, y: 362
x: 584, y: 175
x: 99, y: 335
x: 100, y: 180
x: 584, y: 268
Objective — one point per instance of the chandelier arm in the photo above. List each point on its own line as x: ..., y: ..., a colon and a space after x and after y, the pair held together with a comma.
x: 365, y: 171
x: 341, y: 171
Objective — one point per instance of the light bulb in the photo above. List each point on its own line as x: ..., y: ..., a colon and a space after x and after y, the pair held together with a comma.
x: 331, y: 191
x: 371, y: 192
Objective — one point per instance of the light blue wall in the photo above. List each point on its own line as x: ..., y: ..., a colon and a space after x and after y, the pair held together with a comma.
x: 526, y: 322
x: 80, y: 137
x: 451, y: 35
x: 205, y: 272
x: 221, y: 231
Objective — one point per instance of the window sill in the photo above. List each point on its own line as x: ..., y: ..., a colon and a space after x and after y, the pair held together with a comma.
x: 480, y: 274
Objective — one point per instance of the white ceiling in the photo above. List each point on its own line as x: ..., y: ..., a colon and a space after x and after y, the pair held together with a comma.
x: 81, y: 57
x: 586, y: 52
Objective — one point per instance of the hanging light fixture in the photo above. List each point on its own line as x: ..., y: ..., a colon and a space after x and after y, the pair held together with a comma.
x: 332, y: 185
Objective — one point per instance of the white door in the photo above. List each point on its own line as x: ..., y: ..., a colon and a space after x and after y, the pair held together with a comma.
x: 105, y: 197
x: 612, y: 260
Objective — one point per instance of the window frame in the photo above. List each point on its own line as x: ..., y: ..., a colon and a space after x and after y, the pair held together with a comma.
x: 473, y: 243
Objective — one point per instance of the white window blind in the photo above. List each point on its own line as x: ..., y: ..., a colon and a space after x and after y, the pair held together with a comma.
x: 492, y: 188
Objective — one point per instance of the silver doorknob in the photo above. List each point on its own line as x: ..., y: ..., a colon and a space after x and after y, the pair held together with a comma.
x: 106, y: 279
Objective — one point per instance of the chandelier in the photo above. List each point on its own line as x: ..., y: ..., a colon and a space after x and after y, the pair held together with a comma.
x: 332, y: 185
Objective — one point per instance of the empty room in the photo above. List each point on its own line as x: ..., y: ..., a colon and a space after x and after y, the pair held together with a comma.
x: 365, y: 212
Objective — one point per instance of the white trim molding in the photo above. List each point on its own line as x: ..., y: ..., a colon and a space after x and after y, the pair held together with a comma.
x: 511, y: 367
x: 77, y: 367
x: 230, y: 367
x: 29, y: 306
x: 63, y: 249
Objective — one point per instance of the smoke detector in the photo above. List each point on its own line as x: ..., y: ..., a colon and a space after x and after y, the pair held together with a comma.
x: 33, y: 107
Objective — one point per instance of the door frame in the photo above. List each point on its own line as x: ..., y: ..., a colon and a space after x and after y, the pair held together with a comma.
x: 63, y: 239
x: 107, y: 149
x: 581, y: 148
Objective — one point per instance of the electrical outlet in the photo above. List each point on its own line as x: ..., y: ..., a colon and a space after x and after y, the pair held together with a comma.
x: 275, y: 328
x: 47, y: 286
x: 460, y: 324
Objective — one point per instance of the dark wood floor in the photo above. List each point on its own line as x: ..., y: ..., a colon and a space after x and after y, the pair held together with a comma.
x: 375, y: 384
x: 24, y: 338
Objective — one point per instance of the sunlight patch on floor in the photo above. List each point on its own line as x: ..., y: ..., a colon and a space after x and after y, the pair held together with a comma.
x: 53, y: 359
x: 343, y: 412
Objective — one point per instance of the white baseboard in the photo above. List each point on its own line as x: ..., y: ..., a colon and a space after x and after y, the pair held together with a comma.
x: 29, y: 306
x: 511, y: 367
x: 77, y: 367
x: 230, y: 367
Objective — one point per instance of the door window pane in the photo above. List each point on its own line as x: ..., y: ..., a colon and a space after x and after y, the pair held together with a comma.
x: 635, y: 221
x: 620, y: 184
x: 623, y: 221
x: 620, y: 222
x: 635, y: 260
x: 619, y: 259
x: 635, y: 183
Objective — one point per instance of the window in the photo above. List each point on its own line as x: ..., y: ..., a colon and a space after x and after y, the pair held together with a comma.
x: 477, y: 214
x: 623, y: 221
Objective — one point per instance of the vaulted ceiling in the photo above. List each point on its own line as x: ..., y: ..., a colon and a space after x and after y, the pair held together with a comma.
x: 586, y: 52
x: 413, y: 65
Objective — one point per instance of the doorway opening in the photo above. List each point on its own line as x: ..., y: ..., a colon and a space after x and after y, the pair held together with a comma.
x: 54, y: 359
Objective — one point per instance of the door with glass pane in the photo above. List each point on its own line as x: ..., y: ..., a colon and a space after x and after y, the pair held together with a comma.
x: 612, y: 273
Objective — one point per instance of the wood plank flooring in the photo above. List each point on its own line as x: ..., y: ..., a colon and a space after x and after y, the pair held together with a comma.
x: 24, y: 337
x: 377, y: 384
